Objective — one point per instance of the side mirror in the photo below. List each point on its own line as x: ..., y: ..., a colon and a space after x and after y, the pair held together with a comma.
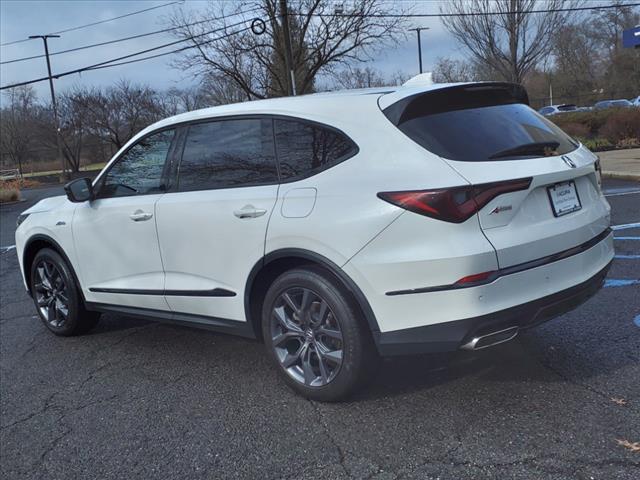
x: 79, y: 190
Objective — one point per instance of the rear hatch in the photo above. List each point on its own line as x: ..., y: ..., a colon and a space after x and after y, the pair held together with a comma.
x: 488, y: 134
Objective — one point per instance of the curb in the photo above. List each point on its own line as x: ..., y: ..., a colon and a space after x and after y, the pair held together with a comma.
x: 622, y: 175
x: 15, y: 202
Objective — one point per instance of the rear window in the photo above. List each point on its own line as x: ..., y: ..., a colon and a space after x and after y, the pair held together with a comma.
x: 305, y: 148
x: 478, y: 123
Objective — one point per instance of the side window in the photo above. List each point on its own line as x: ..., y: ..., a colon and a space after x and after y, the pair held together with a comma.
x: 304, y: 148
x: 139, y: 170
x: 228, y: 153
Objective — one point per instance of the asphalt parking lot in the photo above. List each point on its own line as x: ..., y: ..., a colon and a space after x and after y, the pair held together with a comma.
x: 137, y: 399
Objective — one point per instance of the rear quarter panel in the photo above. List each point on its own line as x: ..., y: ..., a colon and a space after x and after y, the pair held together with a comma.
x: 347, y: 213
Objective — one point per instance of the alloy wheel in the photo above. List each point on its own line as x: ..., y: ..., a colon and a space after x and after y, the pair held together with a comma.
x: 51, y: 293
x: 306, y: 337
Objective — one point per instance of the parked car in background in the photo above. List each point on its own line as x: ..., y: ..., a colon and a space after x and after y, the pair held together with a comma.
x: 622, y: 102
x: 555, y: 109
x: 455, y: 217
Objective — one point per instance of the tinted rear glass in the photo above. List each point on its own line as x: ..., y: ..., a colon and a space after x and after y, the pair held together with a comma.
x: 478, y: 126
x: 305, y: 148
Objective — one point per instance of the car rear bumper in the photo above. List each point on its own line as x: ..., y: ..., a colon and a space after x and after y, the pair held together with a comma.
x: 464, y: 333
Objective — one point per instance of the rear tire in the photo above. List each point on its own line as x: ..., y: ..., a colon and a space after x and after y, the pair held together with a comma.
x: 318, y: 341
x: 57, y: 296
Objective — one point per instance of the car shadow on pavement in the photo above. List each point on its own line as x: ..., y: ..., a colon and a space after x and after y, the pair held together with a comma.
x: 520, y: 361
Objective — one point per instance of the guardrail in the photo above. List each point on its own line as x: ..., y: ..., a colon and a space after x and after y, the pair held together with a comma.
x: 11, y: 174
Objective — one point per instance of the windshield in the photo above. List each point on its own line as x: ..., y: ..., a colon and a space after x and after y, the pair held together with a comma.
x: 478, y: 129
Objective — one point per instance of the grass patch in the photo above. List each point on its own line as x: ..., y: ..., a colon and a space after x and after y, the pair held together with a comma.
x: 9, y: 191
x: 88, y: 168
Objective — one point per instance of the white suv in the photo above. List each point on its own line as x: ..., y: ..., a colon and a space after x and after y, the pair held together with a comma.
x: 338, y: 227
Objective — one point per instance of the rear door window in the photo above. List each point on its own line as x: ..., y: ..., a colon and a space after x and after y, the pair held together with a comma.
x: 478, y: 125
x: 305, y: 148
x: 228, y: 154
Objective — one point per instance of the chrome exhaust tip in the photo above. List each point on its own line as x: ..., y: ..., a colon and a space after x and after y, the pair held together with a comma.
x: 490, y: 339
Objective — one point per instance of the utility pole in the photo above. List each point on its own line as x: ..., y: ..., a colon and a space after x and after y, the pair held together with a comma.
x: 53, y: 99
x: 288, y: 55
x: 418, y: 30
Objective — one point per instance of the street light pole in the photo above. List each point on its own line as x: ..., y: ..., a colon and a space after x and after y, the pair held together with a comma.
x: 418, y: 30
x: 53, y: 98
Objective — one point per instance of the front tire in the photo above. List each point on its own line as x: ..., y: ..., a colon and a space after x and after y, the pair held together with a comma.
x: 317, y: 339
x: 56, y: 296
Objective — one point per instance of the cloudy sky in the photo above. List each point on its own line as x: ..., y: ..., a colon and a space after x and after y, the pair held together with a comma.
x: 19, y: 19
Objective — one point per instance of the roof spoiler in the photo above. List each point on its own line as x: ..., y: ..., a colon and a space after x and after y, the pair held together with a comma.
x: 403, y: 105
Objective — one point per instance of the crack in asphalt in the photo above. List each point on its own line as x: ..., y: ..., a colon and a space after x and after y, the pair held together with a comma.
x: 9, y: 319
x: 586, y: 386
x: 88, y: 378
x: 325, y: 426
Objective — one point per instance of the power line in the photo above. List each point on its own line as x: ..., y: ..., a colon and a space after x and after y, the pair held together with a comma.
x: 461, y: 14
x: 117, y: 40
x: 178, y: 50
x: 97, y: 23
x: 107, y: 63
x: 385, y: 15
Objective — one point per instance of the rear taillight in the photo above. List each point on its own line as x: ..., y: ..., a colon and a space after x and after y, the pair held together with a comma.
x: 455, y: 204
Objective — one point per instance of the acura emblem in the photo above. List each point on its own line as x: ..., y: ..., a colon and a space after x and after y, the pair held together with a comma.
x: 568, y: 161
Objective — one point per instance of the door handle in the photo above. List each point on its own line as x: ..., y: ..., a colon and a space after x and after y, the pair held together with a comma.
x: 249, y: 211
x: 140, y: 216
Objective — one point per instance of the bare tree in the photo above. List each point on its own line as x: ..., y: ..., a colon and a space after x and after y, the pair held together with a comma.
x: 219, y: 89
x: 356, y: 77
x: 504, y: 35
x: 322, y: 38
x: 179, y: 100
x: 73, y: 126
x: 119, y: 112
x: 622, y: 65
x: 16, y: 121
x: 577, y: 61
x: 448, y: 70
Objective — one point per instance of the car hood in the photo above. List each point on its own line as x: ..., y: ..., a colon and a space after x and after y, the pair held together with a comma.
x: 48, y: 204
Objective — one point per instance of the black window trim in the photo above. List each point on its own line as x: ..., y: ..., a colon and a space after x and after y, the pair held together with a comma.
x: 167, y: 175
x: 184, y: 126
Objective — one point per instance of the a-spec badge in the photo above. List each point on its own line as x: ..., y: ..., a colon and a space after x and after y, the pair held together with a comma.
x: 500, y: 209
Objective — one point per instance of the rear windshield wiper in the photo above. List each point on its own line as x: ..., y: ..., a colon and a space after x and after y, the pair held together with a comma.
x: 542, y: 148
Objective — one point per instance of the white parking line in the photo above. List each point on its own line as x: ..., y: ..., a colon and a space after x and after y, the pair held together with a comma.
x: 617, y: 282
x: 634, y: 192
x: 625, y: 226
x: 6, y: 249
